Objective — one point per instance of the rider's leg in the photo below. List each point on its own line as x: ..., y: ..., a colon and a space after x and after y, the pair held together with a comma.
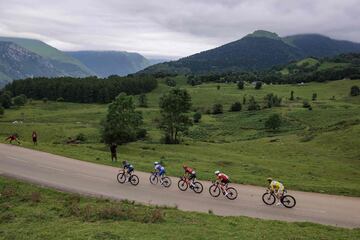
x: 278, y: 196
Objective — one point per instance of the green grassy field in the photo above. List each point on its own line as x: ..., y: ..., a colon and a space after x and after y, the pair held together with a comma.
x: 314, y: 150
x: 30, y: 212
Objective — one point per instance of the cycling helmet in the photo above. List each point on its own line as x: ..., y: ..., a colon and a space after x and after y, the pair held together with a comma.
x: 156, y: 163
x: 217, y: 172
x: 269, y: 179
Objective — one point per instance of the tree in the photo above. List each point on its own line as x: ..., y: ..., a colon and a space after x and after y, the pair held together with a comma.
x: 272, y: 100
x: 240, y: 85
x: 20, y: 100
x: 273, y: 122
x: 292, y: 95
x: 217, y: 108
x: 235, y: 107
x: 170, y: 82
x: 314, y: 96
x: 218, y: 87
x: 122, y: 122
x: 196, y: 117
x: 258, y: 85
x: 173, y: 108
x: 253, y: 105
x: 244, y: 100
x: 354, y: 91
x: 143, y: 100
x: 5, y: 99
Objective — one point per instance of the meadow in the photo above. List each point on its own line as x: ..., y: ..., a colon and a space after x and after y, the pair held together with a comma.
x: 31, y: 212
x: 315, y: 150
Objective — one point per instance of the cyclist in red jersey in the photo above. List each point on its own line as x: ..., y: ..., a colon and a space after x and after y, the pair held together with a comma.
x: 223, y: 179
x: 190, y: 174
x: 13, y: 137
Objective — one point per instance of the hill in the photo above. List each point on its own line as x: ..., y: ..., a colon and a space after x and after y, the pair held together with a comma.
x: 106, y: 63
x: 257, y: 51
x: 40, y: 60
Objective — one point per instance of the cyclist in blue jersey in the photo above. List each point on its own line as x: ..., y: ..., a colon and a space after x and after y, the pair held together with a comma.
x: 160, y: 170
x: 128, y: 167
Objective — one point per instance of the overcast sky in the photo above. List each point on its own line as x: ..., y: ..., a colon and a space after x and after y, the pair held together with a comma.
x: 171, y: 27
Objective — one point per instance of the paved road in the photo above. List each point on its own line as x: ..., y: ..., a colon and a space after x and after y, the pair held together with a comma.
x: 99, y: 180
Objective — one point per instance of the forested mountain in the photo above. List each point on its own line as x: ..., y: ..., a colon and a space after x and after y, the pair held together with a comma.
x: 257, y: 51
x: 106, y: 63
x: 21, y: 58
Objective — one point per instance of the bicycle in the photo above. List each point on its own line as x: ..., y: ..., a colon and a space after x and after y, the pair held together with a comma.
x: 215, y: 190
x: 269, y: 198
x: 184, y: 183
x: 154, y: 179
x: 123, y: 176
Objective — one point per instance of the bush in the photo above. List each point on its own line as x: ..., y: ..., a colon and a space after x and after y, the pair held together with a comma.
x: 217, y: 108
x: 2, y: 111
x: 314, y: 96
x: 197, y: 116
x: 273, y: 122
x: 170, y: 82
x: 60, y: 99
x: 240, y: 85
x: 141, y: 133
x: 143, y: 100
x: 20, y: 100
x: 292, y: 95
x: 235, y: 107
x: 5, y: 99
x: 258, y: 85
x: 218, y: 87
x: 272, y: 100
x: 45, y: 100
x: 354, y: 91
x: 306, y: 104
x: 81, y: 137
x: 253, y: 105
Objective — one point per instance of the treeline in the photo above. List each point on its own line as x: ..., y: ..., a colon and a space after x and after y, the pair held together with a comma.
x: 82, y: 90
x: 348, y: 67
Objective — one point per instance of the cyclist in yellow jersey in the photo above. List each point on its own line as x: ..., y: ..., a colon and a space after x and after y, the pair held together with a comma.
x: 277, y: 188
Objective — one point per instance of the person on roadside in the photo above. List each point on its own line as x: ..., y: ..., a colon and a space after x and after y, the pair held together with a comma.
x: 13, y: 137
x: 34, y: 137
x: 113, y: 151
x: 277, y: 188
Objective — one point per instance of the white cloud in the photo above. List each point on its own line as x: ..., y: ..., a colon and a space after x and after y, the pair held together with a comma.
x: 169, y: 27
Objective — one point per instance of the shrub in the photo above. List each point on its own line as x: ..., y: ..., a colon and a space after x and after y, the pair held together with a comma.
x: 314, y: 96
x: 235, y: 107
x: 170, y: 82
x: 273, y: 122
x: 143, y: 100
x: 292, y: 95
x: 60, y: 99
x: 244, y: 100
x: 306, y: 104
x: 20, y: 100
x: 217, y: 108
x: 81, y: 137
x: 2, y: 110
x: 218, y: 87
x: 272, y: 100
x: 240, y: 85
x: 354, y: 91
x: 258, y: 85
x: 141, y: 133
x: 45, y: 100
x: 197, y: 116
x: 253, y: 105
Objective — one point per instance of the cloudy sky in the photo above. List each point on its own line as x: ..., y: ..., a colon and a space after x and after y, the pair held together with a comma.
x: 171, y: 28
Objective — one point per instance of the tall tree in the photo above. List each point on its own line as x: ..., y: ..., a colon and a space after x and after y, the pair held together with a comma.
x: 174, y: 105
x: 122, y: 123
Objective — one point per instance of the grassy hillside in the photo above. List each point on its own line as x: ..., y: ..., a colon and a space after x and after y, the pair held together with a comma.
x: 30, y: 212
x: 313, y: 150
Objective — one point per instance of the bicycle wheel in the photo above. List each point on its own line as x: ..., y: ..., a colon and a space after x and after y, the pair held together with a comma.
x: 214, y: 190
x: 134, y: 180
x: 182, y: 185
x: 121, y: 177
x: 288, y: 201
x: 153, y: 179
x: 198, y: 187
x: 268, y: 198
x: 166, y: 182
x: 232, y: 193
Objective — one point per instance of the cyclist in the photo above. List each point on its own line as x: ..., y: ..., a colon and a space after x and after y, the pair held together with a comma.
x: 13, y: 137
x: 160, y: 171
x: 190, y: 174
x: 129, y: 168
x: 223, y: 179
x: 277, y: 188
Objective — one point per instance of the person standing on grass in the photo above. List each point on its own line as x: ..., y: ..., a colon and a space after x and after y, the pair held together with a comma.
x: 113, y: 147
x: 34, y: 137
x: 12, y: 138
